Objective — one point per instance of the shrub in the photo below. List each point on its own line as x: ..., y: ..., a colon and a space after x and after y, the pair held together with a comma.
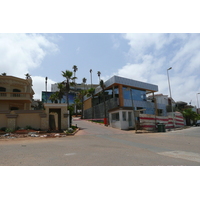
x: 28, y: 127
x: 3, y: 128
x: 9, y: 130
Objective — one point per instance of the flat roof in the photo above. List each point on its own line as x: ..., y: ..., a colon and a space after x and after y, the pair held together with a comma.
x: 117, y: 80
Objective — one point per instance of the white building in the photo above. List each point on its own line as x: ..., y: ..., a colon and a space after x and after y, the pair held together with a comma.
x: 79, y: 86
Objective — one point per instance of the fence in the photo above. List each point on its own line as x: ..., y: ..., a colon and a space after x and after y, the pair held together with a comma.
x: 149, y: 122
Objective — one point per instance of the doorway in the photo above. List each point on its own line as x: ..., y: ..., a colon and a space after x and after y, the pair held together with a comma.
x: 55, y: 119
x: 130, y: 120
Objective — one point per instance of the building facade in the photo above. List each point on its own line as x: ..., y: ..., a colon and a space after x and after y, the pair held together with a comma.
x: 16, y: 96
x: 125, y: 99
x: 15, y: 93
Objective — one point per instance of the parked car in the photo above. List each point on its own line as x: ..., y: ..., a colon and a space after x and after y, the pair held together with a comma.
x: 198, y: 123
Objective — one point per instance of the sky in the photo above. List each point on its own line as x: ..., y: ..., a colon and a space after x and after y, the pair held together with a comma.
x: 140, y: 56
x: 133, y: 39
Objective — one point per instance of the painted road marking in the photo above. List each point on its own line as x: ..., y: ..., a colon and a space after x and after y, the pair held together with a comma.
x: 70, y: 154
x: 183, y: 155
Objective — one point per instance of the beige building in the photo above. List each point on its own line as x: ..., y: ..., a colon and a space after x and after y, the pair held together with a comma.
x: 16, y: 97
x: 15, y: 93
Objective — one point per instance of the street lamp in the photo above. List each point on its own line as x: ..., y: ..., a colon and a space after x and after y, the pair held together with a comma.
x: 170, y: 95
x: 46, y: 87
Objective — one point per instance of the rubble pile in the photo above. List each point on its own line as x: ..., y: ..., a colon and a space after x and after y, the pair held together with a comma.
x: 31, y: 134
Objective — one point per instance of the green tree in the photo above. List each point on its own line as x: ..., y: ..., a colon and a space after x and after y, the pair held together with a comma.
x: 84, y: 82
x: 54, y: 97
x: 61, y: 91
x: 68, y: 82
x: 81, y: 95
x: 3, y: 74
x: 27, y: 76
x: 91, y: 93
x: 75, y: 68
x: 189, y: 115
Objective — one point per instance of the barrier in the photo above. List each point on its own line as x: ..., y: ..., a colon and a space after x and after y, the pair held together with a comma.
x: 149, y: 122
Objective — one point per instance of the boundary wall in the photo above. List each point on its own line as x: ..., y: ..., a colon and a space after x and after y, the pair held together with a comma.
x: 149, y: 122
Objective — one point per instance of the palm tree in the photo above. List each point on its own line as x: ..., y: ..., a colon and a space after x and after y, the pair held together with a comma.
x: 84, y: 82
x: 102, y: 85
x: 54, y: 97
x: 81, y: 95
x: 91, y: 76
x: 99, y: 74
x: 69, y: 77
x: 91, y: 93
x: 27, y: 76
x: 61, y: 91
x: 75, y: 68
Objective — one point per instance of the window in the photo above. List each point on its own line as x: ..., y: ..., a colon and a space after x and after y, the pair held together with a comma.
x: 115, y: 117
x: 138, y: 95
x: 160, y: 112
x: 2, y: 89
x: 124, y: 116
x: 17, y: 91
x: 14, y: 108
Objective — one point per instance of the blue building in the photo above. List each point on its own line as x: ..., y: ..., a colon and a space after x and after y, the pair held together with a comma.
x: 125, y: 99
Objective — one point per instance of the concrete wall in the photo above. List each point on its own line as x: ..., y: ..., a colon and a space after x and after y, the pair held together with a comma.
x: 29, y: 119
x: 3, y: 120
x: 87, y: 104
x: 148, y: 122
x: 38, y: 119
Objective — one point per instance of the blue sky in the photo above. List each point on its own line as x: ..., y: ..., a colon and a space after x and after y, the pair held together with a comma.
x: 143, y: 57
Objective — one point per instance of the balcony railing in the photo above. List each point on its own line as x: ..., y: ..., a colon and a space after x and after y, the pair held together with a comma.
x: 15, y: 96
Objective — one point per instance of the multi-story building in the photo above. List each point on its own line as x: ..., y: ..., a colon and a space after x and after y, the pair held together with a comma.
x: 78, y: 87
x: 125, y: 99
x: 15, y: 93
x: 16, y: 96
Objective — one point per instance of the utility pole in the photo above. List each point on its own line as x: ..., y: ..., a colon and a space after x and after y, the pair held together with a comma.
x: 46, y: 87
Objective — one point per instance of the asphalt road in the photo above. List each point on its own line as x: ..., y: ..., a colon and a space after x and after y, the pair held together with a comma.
x: 97, y: 145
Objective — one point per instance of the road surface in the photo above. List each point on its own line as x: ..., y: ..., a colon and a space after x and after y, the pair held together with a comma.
x: 97, y: 145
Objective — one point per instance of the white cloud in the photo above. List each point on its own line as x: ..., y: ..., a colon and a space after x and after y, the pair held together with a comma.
x: 39, y: 85
x: 22, y: 52
x: 115, y: 41
x: 152, y: 54
x: 78, y: 50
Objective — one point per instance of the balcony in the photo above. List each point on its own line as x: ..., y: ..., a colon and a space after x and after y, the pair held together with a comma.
x: 16, y: 96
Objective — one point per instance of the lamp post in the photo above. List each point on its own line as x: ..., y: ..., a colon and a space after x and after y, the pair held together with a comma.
x: 197, y: 103
x: 46, y: 87
x: 170, y: 95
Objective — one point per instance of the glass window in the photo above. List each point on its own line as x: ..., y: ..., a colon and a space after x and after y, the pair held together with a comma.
x: 138, y: 95
x: 124, y: 116
x: 2, y: 89
x: 115, y: 117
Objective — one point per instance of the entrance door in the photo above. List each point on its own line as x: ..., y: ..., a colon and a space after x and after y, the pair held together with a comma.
x: 130, y: 119
x: 55, y: 119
